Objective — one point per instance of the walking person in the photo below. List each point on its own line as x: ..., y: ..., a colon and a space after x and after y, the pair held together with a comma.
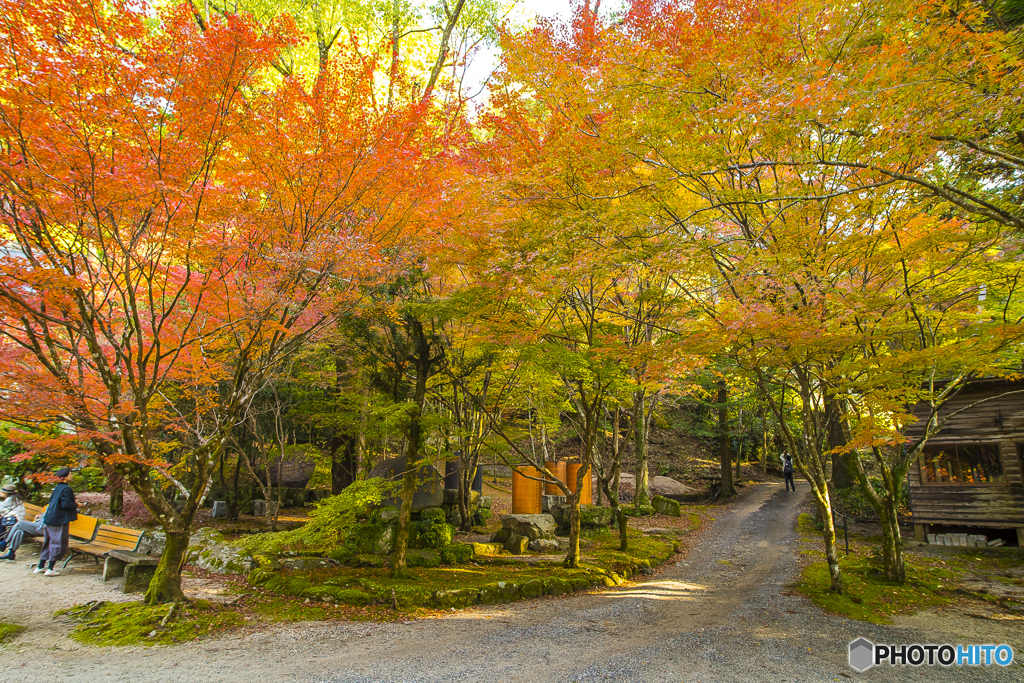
x: 787, y: 472
x: 60, y: 512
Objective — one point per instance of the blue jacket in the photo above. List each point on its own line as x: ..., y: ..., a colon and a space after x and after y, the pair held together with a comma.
x: 62, y: 507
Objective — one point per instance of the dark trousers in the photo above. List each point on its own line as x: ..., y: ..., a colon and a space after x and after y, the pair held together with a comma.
x: 789, y: 481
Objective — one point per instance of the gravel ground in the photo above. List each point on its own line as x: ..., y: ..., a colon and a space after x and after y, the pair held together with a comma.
x: 722, y: 613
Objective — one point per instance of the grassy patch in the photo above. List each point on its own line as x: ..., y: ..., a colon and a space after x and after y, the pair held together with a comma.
x: 484, y: 581
x: 9, y: 631
x: 870, y: 597
x: 133, y: 623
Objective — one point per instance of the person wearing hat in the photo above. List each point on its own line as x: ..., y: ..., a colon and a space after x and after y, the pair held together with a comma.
x: 11, y: 502
x: 12, y: 510
x: 60, y: 512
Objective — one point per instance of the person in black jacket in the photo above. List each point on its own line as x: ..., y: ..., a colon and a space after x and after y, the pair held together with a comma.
x: 60, y: 512
x: 787, y: 472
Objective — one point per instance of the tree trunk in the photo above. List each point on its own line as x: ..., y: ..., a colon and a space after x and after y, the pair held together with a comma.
x: 465, y: 481
x: 829, y: 536
x: 343, y: 468
x: 165, y: 585
x: 399, y: 569
x: 115, y: 486
x: 422, y: 364
x: 841, y: 462
x: 725, y: 458
x: 643, y: 484
x: 572, y: 558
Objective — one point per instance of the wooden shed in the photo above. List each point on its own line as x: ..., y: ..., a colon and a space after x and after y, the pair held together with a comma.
x: 969, y: 473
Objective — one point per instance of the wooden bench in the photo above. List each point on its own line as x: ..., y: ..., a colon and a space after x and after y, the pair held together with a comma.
x: 107, y: 538
x: 137, y: 569
x: 33, y: 511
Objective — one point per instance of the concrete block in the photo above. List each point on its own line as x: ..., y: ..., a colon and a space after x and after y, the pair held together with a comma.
x: 137, y: 578
x: 931, y: 539
x: 220, y: 509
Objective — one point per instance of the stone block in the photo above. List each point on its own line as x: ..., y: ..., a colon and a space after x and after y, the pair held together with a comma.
x: 429, y: 490
x: 931, y: 539
x: 546, y: 502
x: 517, y: 545
x: 544, y: 545
x: 113, y: 568
x: 220, y: 509
x: 530, y: 526
x: 666, y: 506
x: 137, y: 577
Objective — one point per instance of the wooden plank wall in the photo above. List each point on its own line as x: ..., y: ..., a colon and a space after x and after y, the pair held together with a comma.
x: 983, y: 505
x: 995, y: 420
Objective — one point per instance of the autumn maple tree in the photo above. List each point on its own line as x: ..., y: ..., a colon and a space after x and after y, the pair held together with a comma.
x: 175, y: 223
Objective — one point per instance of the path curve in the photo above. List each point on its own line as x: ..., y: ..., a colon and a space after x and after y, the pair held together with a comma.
x: 722, y: 613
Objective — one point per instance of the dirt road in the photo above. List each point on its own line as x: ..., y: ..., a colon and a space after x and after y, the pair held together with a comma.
x: 721, y: 614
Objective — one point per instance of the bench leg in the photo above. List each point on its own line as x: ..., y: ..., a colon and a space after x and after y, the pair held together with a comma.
x: 113, y: 568
x: 71, y: 553
x: 137, y: 578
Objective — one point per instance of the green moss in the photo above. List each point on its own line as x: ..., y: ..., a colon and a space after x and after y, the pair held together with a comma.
x: 432, y: 534
x: 423, y: 558
x: 487, y: 580
x: 347, y: 596
x: 9, y: 631
x: 432, y: 516
x: 133, y: 623
x: 457, y: 553
x: 870, y: 597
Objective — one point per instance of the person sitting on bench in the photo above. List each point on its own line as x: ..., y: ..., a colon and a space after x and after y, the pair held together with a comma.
x: 16, y: 533
x: 12, y: 510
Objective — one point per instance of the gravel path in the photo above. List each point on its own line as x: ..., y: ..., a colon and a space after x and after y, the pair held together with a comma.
x: 721, y: 614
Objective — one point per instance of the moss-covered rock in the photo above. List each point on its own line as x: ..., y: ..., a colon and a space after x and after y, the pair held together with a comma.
x: 344, y: 596
x: 432, y: 534
x: 434, y: 515
x: 500, y: 592
x: 517, y: 545
x: 457, y: 553
x: 457, y: 599
x: 666, y: 506
x: 422, y: 558
x: 487, y: 549
x: 210, y: 551
x: 374, y: 537
x: 481, y: 516
x: 595, y: 516
x: 368, y: 560
x: 532, y: 589
x: 556, y: 586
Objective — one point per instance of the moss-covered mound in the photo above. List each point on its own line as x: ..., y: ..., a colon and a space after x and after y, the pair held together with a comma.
x: 487, y: 581
x: 133, y: 623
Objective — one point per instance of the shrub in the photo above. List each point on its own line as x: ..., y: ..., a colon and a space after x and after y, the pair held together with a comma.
x: 330, y: 522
